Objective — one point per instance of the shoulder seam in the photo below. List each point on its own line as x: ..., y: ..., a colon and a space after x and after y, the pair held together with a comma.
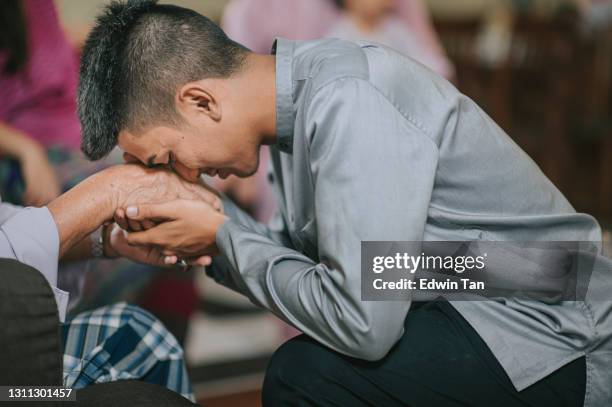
x: 416, y: 123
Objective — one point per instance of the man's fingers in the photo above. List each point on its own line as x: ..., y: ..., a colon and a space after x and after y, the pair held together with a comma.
x: 147, y: 224
x: 216, y: 204
x: 120, y: 220
x: 169, y: 260
x: 166, y: 210
x: 135, y: 226
x: 203, y: 261
x: 153, y: 236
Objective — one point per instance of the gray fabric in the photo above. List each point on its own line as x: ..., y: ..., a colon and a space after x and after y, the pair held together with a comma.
x: 30, y: 236
x: 373, y: 146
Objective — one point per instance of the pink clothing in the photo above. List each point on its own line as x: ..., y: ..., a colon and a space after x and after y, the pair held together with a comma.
x: 40, y: 100
x: 394, y: 33
x: 255, y: 24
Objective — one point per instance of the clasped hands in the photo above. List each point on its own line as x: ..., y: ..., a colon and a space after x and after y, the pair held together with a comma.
x: 160, y: 219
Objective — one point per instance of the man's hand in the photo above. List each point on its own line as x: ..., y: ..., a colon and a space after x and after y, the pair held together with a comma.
x: 78, y: 212
x: 116, y: 245
x: 184, y: 227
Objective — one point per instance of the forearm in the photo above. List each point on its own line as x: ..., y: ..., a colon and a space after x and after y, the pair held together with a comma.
x: 14, y: 143
x: 320, y: 300
x: 277, y: 233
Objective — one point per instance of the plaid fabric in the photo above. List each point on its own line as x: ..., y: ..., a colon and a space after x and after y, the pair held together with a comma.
x: 120, y: 342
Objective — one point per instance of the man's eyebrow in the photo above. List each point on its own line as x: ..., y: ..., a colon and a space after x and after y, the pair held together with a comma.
x: 150, y: 162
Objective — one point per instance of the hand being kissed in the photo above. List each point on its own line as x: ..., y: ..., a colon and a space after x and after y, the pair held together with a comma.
x: 163, y: 218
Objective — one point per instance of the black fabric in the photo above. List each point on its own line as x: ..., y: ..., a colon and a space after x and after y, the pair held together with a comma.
x: 128, y: 393
x: 440, y: 361
x: 30, y: 352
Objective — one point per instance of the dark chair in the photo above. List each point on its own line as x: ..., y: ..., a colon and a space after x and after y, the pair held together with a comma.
x: 30, y: 350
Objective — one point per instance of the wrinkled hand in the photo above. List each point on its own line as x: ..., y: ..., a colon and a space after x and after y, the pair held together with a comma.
x: 183, y: 227
x: 139, y: 185
x: 41, y: 184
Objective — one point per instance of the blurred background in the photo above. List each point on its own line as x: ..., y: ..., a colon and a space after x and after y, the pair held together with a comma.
x: 541, y: 68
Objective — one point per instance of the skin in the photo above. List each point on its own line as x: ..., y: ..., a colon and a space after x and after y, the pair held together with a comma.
x: 367, y: 14
x: 41, y: 183
x: 224, y: 123
x: 93, y: 202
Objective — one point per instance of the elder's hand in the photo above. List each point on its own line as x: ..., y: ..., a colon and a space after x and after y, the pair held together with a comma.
x: 136, y: 184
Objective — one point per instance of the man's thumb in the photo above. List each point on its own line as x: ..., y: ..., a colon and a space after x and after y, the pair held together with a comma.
x: 132, y: 212
x: 151, y: 211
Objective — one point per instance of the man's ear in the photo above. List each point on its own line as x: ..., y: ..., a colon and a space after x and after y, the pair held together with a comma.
x: 195, y: 98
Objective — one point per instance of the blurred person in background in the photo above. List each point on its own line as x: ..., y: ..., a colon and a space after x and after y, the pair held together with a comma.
x: 39, y: 130
x: 40, y: 137
x: 409, y: 31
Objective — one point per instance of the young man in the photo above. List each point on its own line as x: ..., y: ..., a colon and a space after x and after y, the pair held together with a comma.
x: 365, y: 145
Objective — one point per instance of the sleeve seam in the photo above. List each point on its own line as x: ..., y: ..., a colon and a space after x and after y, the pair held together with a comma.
x: 414, y: 122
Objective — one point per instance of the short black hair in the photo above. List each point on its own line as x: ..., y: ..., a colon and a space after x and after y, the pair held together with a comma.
x: 135, y: 58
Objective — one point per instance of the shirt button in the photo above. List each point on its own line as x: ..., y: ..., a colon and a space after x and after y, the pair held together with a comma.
x: 270, y: 178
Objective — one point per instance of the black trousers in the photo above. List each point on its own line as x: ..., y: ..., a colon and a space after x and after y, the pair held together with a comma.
x: 440, y: 361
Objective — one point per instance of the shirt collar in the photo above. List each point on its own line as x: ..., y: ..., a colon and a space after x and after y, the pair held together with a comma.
x: 283, y: 49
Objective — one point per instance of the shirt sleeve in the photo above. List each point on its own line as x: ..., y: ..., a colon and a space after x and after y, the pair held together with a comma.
x: 7, y: 211
x: 276, y: 230
x: 30, y: 236
x: 373, y: 171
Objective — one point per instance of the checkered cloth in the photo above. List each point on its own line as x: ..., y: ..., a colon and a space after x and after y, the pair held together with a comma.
x: 121, y: 342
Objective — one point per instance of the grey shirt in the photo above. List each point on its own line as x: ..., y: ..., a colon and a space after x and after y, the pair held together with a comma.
x: 30, y: 236
x: 373, y: 146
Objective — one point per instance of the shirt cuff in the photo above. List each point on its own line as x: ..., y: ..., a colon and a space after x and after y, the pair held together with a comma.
x: 220, y: 269
x: 34, y: 239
